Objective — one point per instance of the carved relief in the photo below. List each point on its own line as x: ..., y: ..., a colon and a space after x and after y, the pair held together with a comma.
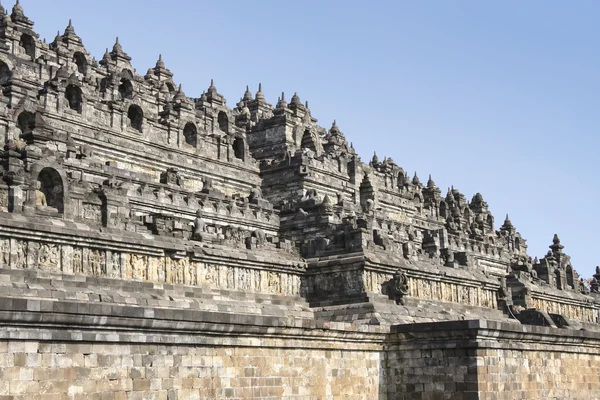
x: 96, y: 262
x: 77, y: 260
x: 92, y: 213
x: 3, y: 200
x: 257, y: 280
x: 20, y: 254
x: 158, y: 268
x: 5, y: 251
x: 273, y: 282
x: 190, y: 275
x: 176, y: 270
x: 33, y: 254
x: 49, y: 257
x: 114, y: 265
x: 209, y: 275
x: 137, y: 267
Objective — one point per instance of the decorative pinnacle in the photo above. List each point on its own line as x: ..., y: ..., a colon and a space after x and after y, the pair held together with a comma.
x: 430, y: 182
x: 416, y: 180
x: 69, y: 30
x: 160, y: 63
x: 259, y: 95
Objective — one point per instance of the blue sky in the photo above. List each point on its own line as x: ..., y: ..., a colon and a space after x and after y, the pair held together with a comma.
x: 499, y: 98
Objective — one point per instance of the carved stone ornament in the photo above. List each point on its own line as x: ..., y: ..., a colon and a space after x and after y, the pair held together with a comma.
x: 399, y: 286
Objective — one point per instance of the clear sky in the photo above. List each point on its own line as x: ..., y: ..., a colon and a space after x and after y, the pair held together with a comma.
x: 500, y: 98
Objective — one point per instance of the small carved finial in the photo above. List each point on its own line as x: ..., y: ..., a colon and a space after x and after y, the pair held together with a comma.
x: 416, y: 180
x: 259, y: 95
x: 430, y: 182
x: 555, y: 239
x: 295, y: 99
x: 247, y: 94
x: 375, y: 159
x: 160, y: 63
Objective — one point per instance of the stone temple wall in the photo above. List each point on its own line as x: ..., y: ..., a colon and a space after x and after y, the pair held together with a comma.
x: 474, y: 360
x: 160, y: 246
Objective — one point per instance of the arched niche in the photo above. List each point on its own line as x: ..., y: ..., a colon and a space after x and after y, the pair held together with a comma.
x: 27, y: 44
x: 366, y: 192
x: 443, y: 209
x: 190, y: 134
x: 558, y: 279
x: 74, y: 98
x: 81, y: 62
x: 223, y: 121
x: 135, y: 117
x: 239, y: 148
x: 170, y: 87
x: 5, y: 74
x: 126, y: 89
x: 50, y: 190
x: 570, y: 277
x: 490, y: 221
x: 308, y: 142
x: 26, y: 122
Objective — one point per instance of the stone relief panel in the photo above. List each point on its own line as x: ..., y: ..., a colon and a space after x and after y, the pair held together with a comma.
x: 136, y: 267
x: 33, y: 254
x: 18, y: 256
x: 5, y: 251
x: 3, y: 199
x: 49, y: 257
x: 176, y: 269
x: 56, y: 257
x: 92, y: 213
x: 113, y: 264
x: 436, y: 290
x: 157, y: 270
x: 571, y: 311
x: 96, y: 262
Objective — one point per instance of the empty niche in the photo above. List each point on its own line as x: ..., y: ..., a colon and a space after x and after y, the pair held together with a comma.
x: 5, y: 74
x: 308, y: 142
x: 74, y: 98
x: 238, y: 148
x: 26, y: 122
x: 80, y: 61
x: 570, y: 280
x: 190, y: 133
x: 126, y: 89
x: 223, y: 122
x: 135, y: 117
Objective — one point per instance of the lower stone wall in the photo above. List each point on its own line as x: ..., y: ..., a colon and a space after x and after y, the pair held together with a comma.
x: 466, y: 360
x: 103, y: 371
x: 538, y: 374
x: 432, y: 373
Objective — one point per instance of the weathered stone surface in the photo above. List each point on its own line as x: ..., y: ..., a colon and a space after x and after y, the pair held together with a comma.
x: 157, y: 246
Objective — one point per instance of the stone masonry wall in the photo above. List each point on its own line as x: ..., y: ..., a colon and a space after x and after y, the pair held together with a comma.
x: 103, y: 371
x: 540, y: 373
x: 491, y: 360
